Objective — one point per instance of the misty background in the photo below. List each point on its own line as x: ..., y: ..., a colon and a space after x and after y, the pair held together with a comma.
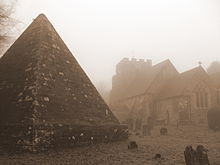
x: 101, y: 32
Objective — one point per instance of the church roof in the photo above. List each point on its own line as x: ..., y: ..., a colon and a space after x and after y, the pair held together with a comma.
x: 177, y: 85
x: 42, y: 82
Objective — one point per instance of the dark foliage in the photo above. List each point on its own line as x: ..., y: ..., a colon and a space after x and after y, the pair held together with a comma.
x: 214, y: 67
x: 213, y: 116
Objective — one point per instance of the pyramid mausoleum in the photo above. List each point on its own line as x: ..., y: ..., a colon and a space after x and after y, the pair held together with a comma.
x: 45, y: 96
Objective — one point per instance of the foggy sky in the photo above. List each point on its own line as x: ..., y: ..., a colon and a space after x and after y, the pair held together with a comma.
x: 101, y: 32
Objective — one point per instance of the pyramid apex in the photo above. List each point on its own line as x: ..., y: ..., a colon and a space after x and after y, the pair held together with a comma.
x: 41, y: 16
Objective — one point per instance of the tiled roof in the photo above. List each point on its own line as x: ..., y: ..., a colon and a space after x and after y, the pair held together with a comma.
x: 179, y: 84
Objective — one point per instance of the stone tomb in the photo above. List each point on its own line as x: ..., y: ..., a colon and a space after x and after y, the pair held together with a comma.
x: 46, y: 99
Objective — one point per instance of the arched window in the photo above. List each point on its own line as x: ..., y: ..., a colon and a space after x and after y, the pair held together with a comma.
x: 206, y: 100
x: 197, y: 100
x: 202, y: 99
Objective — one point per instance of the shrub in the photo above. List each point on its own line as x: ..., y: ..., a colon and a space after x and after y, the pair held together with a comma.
x: 213, y: 117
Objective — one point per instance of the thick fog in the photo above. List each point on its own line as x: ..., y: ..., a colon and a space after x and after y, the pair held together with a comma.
x: 101, y: 32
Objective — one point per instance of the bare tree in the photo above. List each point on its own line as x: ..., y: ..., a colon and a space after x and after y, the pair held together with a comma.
x: 6, y: 21
x: 214, y: 67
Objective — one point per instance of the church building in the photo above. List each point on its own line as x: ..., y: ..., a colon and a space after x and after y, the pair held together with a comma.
x: 140, y: 90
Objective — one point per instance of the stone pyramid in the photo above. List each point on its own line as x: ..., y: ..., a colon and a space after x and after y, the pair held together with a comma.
x: 41, y: 82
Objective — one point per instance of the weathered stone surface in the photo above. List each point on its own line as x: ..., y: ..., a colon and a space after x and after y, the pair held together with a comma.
x: 41, y: 83
x: 196, y: 157
x: 42, y: 137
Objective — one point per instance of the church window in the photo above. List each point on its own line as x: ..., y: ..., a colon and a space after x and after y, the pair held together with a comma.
x: 206, y: 100
x: 197, y: 100
x: 218, y: 97
x: 202, y: 99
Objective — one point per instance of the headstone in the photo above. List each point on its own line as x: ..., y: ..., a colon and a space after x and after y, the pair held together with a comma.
x: 132, y: 145
x: 202, y: 155
x: 157, y: 156
x: 196, y: 157
x: 163, y: 131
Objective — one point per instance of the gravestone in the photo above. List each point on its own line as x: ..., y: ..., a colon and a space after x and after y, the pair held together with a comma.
x: 163, y: 131
x: 132, y: 145
x: 196, y: 157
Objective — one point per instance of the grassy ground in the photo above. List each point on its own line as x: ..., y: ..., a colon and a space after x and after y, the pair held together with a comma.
x: 171, y: 147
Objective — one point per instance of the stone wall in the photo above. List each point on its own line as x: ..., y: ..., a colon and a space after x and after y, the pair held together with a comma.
x: 38, y: 138
x: 126, y: 73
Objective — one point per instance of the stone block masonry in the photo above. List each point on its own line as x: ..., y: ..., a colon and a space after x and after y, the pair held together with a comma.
x: 17, y: 138
x: 44, y: 94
